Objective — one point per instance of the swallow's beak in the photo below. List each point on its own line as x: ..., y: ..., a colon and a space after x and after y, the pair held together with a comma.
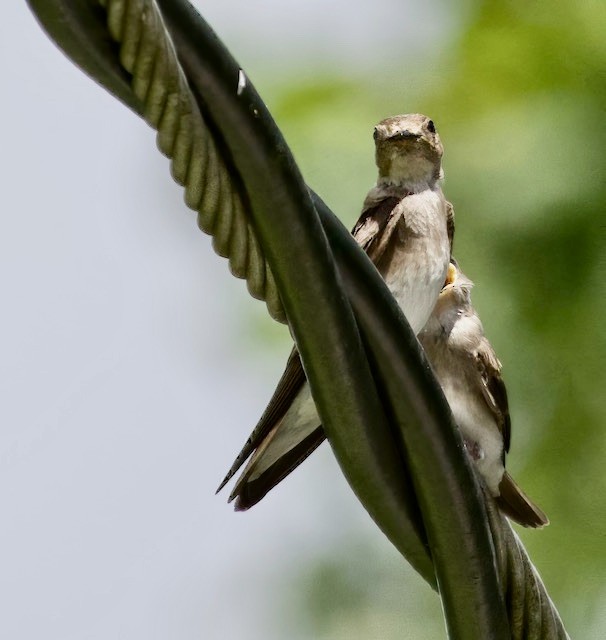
x: 405, y: 135
x: 451, y: 275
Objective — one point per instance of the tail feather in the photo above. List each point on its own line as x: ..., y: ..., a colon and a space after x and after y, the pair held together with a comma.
x: 288, y: 389
x: 248, y: 490
x: 518, y: 506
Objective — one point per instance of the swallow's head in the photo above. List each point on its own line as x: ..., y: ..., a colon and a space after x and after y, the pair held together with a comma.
x: 408, y: 150
x: 453, y: 321
x: 454, y: 300
x: 457, y: 287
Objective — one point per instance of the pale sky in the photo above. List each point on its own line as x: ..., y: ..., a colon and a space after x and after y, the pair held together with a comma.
x: 128, y: 379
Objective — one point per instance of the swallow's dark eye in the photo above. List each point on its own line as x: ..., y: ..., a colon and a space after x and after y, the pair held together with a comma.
x: 375, y: 134
x: 431, y: 127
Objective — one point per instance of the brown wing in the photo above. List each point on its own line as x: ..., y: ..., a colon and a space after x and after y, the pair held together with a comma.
x: 291, y: 381
x: 372, y: 232
x: 493, y: 389
x: 518, y: 506
x: 375, y: 227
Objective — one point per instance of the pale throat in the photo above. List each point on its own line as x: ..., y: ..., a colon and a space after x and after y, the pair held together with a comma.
x: 412, y: 173
x: 465, y: 328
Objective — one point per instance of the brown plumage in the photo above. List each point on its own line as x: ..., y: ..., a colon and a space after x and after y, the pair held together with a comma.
x: 405, y: 228
x: 469, y: 372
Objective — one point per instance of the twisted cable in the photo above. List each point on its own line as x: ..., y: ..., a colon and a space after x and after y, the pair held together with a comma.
x: 214, y: 190
x: 531, y: 612
x: 197, y: 163
x: 147, y: 53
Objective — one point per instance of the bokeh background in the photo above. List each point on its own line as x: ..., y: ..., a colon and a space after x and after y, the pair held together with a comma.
x: 133, y: 366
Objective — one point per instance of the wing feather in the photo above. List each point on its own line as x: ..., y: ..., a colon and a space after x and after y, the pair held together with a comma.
x: 493, y: 389
x: 372, y: 232
x: 291, y: 381
x: 376, y: 225
x: 249, y: 491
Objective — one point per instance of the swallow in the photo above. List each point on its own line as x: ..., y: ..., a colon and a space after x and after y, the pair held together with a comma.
x: 406, y: 228
x: 469, y: 372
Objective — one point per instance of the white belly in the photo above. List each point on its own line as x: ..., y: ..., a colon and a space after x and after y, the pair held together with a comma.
x: 478, y: 425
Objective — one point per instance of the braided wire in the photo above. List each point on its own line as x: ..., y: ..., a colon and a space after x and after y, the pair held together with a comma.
x: 147, y: 53
x: 531, y: 612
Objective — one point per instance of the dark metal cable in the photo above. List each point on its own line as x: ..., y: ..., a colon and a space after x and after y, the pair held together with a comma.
x: 200, y: 163
x: 365, y: 450
x: 531, y: 611
x: 399, y: 518
x: 184, y: 136
x: 167, y: 104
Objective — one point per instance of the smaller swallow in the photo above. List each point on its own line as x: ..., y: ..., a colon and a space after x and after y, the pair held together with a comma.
x: 469, y: 373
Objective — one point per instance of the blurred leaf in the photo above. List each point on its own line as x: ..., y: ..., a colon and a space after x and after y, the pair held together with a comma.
x: 519, y: 101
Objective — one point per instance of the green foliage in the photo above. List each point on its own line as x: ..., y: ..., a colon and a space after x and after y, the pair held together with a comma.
x: 520, y: 109
x: 364, y: 591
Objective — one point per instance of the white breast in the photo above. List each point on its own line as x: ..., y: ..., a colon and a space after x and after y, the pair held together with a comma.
x: 418, y: 280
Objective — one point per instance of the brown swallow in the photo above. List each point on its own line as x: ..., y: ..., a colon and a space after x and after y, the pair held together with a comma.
x: 406, y: 229
x: 469, y: 372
